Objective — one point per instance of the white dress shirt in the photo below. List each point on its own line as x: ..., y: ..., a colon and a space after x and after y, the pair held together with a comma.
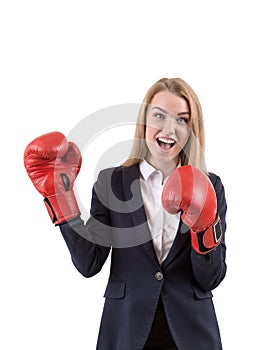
x: 163, y: 226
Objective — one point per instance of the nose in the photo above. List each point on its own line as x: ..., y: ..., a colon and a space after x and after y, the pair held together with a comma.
x: 169, y: 125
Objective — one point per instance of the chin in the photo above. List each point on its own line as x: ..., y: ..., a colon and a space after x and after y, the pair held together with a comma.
x: 162, y: 161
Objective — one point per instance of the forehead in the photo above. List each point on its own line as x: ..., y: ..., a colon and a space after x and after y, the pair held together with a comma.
x: 170, y: 102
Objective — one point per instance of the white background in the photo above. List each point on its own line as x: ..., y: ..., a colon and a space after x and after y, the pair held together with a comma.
x: 63, y: 60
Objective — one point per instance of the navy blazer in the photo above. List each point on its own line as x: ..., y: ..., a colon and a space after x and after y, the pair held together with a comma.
x: 184, y: 280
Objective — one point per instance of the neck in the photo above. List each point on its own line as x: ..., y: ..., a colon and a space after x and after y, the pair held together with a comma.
x: 165, y: 167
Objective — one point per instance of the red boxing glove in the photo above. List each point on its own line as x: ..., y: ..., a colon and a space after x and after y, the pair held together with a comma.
x: 189, y: 190
x: 53, y: 164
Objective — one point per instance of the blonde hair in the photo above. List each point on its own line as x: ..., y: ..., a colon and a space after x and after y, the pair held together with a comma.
x: 193, y: 152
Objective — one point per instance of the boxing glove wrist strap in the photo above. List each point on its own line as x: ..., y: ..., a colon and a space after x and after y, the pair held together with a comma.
x: 207, y: 240
x: 62, y: 207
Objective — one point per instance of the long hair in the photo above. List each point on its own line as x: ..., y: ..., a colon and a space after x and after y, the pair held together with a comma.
x: 193, y: 151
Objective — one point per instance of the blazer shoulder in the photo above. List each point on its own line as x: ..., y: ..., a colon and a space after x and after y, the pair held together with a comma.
x: 119, y: 170
x: 120, y: 181
x: 219, y: 187
x: 215, y: 179
x: 119, y: 178
x: 117, y: 173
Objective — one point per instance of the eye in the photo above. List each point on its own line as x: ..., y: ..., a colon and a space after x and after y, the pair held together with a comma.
x: 159, y: 115
x: 182, y: 120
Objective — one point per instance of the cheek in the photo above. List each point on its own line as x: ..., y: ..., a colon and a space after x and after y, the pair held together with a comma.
x: 150, y: 133
x: 183, y: 135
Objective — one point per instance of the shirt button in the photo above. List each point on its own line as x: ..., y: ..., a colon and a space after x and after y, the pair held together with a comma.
x: 159, y: 276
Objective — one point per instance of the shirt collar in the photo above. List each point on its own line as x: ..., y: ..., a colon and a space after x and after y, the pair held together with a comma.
x: 146, y: 169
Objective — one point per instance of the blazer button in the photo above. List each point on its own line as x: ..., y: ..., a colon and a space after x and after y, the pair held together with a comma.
x: 159, y: 276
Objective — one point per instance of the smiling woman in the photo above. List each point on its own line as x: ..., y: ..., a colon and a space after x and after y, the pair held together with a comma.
x: 160, y: 214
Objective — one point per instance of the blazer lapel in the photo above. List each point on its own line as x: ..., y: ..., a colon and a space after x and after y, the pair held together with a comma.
x: 133, y: 196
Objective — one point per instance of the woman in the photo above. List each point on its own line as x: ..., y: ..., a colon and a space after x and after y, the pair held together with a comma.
x: 162, y: 216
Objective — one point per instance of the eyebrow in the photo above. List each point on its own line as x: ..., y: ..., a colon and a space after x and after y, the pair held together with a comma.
x: 165, y: 111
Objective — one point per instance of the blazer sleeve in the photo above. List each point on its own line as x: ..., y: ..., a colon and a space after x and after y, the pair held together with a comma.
x: 89, y: 244
x: 210, y: 269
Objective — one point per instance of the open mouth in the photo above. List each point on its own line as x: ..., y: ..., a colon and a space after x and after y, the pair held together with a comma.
x: 165, y: 143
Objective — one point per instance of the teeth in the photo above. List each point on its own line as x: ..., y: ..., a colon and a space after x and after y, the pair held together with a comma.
x: 162, y: 139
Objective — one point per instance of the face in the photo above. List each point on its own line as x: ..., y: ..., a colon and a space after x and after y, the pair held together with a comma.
x: 167, y: 130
